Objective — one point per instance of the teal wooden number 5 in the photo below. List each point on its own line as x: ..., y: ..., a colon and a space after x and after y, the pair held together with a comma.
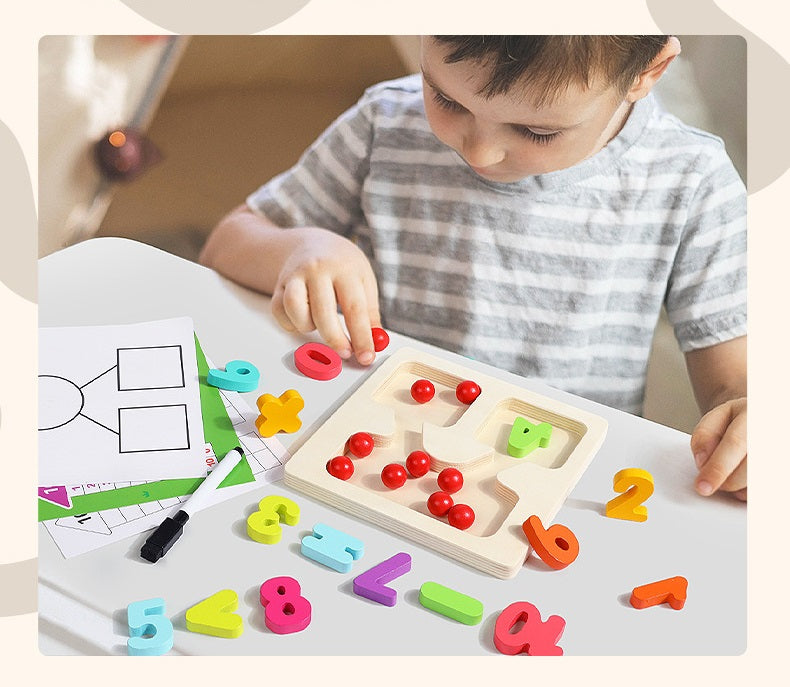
x: 150, y: 632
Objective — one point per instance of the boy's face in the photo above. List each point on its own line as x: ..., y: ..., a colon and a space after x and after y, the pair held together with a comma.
x: 506, y: 138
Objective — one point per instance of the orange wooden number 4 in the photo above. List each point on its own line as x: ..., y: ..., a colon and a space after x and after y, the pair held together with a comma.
x: 638, y: 486
x: 556, y: 546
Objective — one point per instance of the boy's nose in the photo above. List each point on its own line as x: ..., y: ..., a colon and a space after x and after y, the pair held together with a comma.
x: 481, y: 152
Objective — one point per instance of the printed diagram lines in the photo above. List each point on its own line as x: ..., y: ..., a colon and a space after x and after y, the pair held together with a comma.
x: 150, y: 367
x: 68, y: 402
x: 99, y: 376
x: 99, y: 423
x: 139, y: 428
x: 119, y: 402
x: 138, y: 425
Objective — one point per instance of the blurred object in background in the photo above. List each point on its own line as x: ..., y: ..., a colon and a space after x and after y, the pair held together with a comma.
x: 89, y: 85
x: 237, y: 111
x: 124, y: 154
x: 706, y: 88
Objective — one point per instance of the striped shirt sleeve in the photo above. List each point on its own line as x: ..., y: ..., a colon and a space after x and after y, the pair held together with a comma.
x: 323, y: 188
x: 706, y: 292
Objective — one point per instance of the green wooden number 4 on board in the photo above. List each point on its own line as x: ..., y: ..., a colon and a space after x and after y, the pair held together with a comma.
x: 526, y: 437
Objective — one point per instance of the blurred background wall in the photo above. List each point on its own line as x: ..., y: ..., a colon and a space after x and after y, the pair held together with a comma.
x: 228, y: 113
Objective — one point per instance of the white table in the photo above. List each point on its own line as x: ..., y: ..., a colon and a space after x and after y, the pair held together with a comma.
x: 82, y: 601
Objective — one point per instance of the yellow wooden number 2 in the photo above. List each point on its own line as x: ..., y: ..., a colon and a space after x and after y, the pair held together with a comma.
x: 638, y: 486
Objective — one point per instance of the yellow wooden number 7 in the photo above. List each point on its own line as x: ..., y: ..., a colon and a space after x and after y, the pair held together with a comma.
x: 638, y: 486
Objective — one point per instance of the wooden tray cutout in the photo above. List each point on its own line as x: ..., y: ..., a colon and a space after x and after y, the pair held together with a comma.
x: 503, y: 491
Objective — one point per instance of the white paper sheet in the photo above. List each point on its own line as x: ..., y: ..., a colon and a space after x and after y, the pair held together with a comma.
x: 119, y: 403
x: 79, y: 534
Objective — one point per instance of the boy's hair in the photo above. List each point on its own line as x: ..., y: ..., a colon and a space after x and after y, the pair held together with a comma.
x: 548, y: 64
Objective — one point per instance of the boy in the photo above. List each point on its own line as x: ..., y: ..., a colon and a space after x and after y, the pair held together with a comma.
x: 523, y: 202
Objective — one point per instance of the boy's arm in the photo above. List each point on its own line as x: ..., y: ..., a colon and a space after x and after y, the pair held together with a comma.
x: 308, y: 271
x: 718, y: 442
x: 248, y: 249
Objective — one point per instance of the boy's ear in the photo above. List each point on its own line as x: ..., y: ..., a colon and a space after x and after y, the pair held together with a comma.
x: 645, y: 81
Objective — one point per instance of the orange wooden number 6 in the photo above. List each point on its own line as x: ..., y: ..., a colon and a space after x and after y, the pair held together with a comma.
x: 638, y: 486
x: 557, y: 546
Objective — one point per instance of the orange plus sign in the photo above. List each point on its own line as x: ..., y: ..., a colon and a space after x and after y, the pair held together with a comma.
x: 279, y: 414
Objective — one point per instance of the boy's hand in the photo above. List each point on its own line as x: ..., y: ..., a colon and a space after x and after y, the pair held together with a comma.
x: 718, y: 443
x: 322, y: 272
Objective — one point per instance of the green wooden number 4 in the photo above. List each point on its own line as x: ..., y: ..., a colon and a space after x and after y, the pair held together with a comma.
x: 526, y: 437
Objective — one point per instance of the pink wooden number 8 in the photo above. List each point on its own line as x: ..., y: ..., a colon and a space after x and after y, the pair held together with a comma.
x: 286, y: 610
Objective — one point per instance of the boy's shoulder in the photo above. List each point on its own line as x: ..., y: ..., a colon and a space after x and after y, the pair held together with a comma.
x: 402, y: 95
x: 404, y: 86
x: 672, y: 140
x: 656, y: 147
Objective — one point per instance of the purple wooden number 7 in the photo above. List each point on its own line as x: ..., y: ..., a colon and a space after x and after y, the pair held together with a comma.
x: 371, y: 584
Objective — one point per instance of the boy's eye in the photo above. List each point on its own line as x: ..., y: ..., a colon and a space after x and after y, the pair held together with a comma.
x: 445, y: 103
x: 540, y: 139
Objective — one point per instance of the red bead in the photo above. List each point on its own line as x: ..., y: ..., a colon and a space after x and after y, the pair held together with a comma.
x: 393, y: 476
x: 439, y: 503
x: 422, y: 391
x: 461, y: 516
x: 418, y: 463
x: 450, y: 480
x: 360, y: 444
x: 340, y: 467
x: 380, y: 339
x: 466, y: 392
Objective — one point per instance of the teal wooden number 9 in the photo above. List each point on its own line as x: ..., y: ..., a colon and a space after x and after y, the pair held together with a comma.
x: 150, y: 632
x: 238, y: 375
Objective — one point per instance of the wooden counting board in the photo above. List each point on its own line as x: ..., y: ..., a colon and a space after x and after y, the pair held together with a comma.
x: 503, y: 490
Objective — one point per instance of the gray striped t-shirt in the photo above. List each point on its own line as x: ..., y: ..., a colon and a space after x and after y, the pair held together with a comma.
x: 559, y: 276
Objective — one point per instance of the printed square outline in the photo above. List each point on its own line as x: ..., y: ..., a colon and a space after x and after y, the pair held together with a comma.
x: 180, y: 385
x: 186, y: 443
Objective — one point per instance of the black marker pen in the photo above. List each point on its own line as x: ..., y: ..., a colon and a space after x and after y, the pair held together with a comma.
x: 159, y: 543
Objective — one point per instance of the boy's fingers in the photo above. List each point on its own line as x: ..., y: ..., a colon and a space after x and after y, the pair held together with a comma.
x: 735, y: 481
x: 353, y: 302
x: 372, y: 297
x: 708, y: 433
x: 296, y: 306
x: 726, y: 466
x: 323, y: 306
x: 278, y: 311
